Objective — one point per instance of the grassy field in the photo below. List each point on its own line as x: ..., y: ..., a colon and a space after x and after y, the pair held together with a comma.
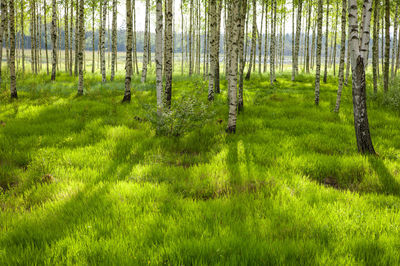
x: 85, y: 180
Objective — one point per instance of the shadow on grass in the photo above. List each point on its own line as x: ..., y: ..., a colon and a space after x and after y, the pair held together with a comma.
x: 389, y: 183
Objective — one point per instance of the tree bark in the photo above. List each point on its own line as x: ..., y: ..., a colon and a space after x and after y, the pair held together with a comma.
x: 387, y: 46
x: 128, y: 63
x: 81, y: 46
x: 102, y: 42
x: 233, y: 66
x: 375, y: 48
x: 54, y: 39
x: 253, y: 39
x: 295, y: 67
x: 66, y: 34
x: 168, y: 53
x: 114, y: 39
x: 342, y: 55
x: 394, y: 49
x: 272, y: 49
x: 213, y: 47
x: 242, y: 63
x: 326, y: 42
x: 319, y: 49
x: 145, y: 47
x: 13, y: 84
x: 159, y: 56
x: 361, y: 124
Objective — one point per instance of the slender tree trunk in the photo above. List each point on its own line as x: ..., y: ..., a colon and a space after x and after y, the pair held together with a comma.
x: 342, y: 55
x: 22, y: 39
x: 76, y: 37
x: 168, y: 53
x: 81, y: 45
x: 387, y: 46
x: 159, y: 56
x: 334, y: 38
x: 272, y: 49
x: 146, y: 47
x: 394, y: 49
x: 128, y: 63
x: 216, y: 76
x: 265, y: 37
x: 295, y: 65
x: 233, y: 65
x: 213, y: 47
x: 66, y: 34
x: 71, y: 30
x: 13, y: 84
x: 326, y: 42
x: 375, y: 48
x: 260, y: 38
x: 93, y: 50
x: 114, y: 39
x: 103, y: 37
x: 319, y: 49
x: 241, y: 54
x: 253, y: 39
x: 190, y: 38
x: 2, y: 28
x: 54, y: 39
x: 308, y: 38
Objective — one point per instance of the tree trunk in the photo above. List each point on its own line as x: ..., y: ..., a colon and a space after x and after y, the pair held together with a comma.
x: 145, y: 47
x: 361, y: 124
x: 375, y: 48
x: 102, y: 43
x: 93, y: 50
x: 326, y: 42
x: 114, y: 39
x: 272, y: 49
x: 216, y: 75
x: 13, y: 85
x: 213, y: 47
x: 387, y: 46
x: 66, y: 34
x: 168, y: 53
x: 266, y: 37
x: 253, y: 39
x: 71, y: 30
x: 81, y: 46
x: 159, y: 56
x: 295, y: 65
x: 241, y: 55
x: 319, y: 49
x: 308, y: 38
x: 342, y: 55
x: 260, y: 39
x: 128, y: 63
x: 334, y: 38
x: 54, y: 39
x: 76, y: 37
x: 22, y: 38
x: 394, y: 49
x: 233, y: 66
x: 2, y: 28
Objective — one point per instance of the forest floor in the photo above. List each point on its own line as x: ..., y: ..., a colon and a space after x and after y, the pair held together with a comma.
x: 86, y: 180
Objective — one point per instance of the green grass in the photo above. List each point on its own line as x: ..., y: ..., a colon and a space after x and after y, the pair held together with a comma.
x: 84, y: 181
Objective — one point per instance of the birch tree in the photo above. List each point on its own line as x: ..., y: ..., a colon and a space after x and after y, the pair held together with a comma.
x: 159, y: 56
x: 54, y: 39
x: 81, y: 46
x: 387, y: 46
x: 168, y: 53
x: 146, y: 44
x: 13, y: 85
x: 213, y: 47
x: 319, y: 49
x: 128, y: 62
x: 102, y: 41
x: 342, y: 55
x: 326, y: 42
x: 361, y: 124
x: 295, y: 67
x: 253, y: 40
x: 114, y: 39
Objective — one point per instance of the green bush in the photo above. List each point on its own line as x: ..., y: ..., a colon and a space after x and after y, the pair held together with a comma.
x: 187, y: 114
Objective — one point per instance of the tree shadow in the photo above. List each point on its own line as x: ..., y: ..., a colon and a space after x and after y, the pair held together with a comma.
x: 389, y: 183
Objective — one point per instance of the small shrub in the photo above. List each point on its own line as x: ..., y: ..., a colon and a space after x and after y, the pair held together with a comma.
x: 187, y: 114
